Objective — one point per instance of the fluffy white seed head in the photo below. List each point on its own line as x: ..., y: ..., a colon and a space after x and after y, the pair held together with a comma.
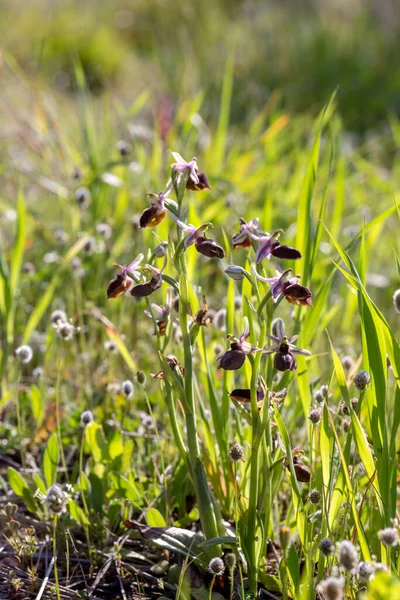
x: 348, y: 556
x: 24, y: 354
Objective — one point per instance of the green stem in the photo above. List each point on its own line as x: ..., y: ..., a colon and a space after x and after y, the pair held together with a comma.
x: 58, y: 424
x: 55, y: 522
x: 284, y: 578
x: 174, y: 422
x: 161, y: 453
x: 85, y: 506
x: 204, y: 500
x: 254, y: 469
x: 18, y: 406
x: 211, y: 587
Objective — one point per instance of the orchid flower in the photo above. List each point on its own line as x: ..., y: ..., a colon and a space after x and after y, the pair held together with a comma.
x: 284, y: 349
x: 161, y: 313
x: 197, y: 236
x: 288, y: 286
x: 125, y: 278
x: 247, y: 230
x: 145, y: 289
x: 153, y: 215
x: 233, y: 359
x: 270, y: 246
x: 196, y: 181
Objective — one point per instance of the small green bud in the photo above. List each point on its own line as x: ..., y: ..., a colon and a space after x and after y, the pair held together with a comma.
x: 141, y: 377
x: 284, y: 537
x: 231, y: 560
x: 10, y: 509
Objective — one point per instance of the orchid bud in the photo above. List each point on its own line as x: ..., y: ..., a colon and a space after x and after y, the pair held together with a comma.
x: 396, y: 301
x: 235, y: 272
x: 161, y: 250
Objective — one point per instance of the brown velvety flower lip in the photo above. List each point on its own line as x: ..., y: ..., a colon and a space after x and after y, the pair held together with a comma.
x: 118, y: 286
x: 151, y: 217
x: 200, y: 186
x: 209, y: 248
x: 244, y: 395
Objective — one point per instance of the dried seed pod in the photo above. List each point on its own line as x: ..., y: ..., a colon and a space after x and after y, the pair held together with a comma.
x: 361, y: 380
x: 236, y: 453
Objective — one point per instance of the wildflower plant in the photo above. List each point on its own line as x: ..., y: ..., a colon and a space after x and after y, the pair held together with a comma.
x: 181, y: 380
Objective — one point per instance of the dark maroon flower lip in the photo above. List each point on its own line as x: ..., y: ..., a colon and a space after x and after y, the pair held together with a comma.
x: 209, y: 248
x: 284, y: 359
x: 297, y: 294
x: 288, y: 286
x: 195, y: 181
x: 201, y: 185
x: 284, y: 350
x: 123, y: 282
x: 270, y: 246
x: 232, y: 359
x: 151, y: 217
x: 244, y: 395
x: 303, y: 473
x: 285, y: 252
x: 118, y: 286
x: 141, y: 290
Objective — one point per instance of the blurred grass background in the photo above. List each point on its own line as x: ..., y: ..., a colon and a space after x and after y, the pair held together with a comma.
x: 301, y: 50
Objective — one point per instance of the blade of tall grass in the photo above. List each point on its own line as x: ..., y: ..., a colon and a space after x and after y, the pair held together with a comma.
x: 47, y: 297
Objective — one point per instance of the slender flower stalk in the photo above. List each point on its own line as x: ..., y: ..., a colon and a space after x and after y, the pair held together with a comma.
x: 206, y: 509
x: 254, y: 467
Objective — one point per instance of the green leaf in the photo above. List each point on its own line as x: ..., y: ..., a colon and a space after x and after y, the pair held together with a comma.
x: 154, y: 518
x: 97, y: 442
x: 306, y: 238
x: 21, y: 488
x: 50, y: 460
x: 296, y: 494
x: 37, y: 404
x: 293, y: 567
x: 344, y: 459
x: 77, y: 513
x: 18, y: 250
x: 226, y: 540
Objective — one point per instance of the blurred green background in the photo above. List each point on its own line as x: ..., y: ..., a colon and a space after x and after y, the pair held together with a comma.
x: 299, y: 49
